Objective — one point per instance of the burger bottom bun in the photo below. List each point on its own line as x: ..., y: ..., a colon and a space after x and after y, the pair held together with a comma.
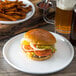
x: 35, y: 58
x: 39, y: 59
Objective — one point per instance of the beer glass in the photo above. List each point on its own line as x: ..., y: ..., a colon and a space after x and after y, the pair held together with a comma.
x: 63, y: 16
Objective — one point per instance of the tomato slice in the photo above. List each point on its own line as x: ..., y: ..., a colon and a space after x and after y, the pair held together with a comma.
x: 27, y: 48
x: 43, y: 53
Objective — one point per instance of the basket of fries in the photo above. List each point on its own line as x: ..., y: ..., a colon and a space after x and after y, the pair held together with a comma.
x: 15, y: 11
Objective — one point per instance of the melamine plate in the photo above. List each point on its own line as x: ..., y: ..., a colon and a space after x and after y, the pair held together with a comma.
x: 28, y: 15
x: 12, y: 53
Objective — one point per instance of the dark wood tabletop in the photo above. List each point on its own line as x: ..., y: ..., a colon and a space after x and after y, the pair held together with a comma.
x: 7, y: 70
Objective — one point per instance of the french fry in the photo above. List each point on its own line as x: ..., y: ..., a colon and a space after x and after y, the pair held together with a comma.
x: 13, y: 10
x: 18, y: 17
x: 1, y: 6
x: 24, y: 16
x: 6, y: 0
x: 10, y: 5
x: 3, y: 19
x: 1, y: 2
x: 26, y: 10
x: 21, y: 9
x: 21, y: 3
x: 8, y: 17
x: 17, y: 13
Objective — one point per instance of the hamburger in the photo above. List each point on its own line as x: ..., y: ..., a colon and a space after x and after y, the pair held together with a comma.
x: 38, y: 44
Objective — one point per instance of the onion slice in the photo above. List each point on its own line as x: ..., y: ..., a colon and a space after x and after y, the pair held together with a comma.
x: 35, y: 48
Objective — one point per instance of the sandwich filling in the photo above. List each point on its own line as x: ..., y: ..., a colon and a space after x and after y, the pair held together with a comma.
x: 38, y: 51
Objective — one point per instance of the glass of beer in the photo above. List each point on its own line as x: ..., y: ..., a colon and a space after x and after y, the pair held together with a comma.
x: 63, y: 16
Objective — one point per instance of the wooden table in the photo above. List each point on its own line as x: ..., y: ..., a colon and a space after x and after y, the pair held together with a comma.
x: 7, y: 70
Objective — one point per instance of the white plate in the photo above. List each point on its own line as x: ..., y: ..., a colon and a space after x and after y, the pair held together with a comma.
x: 28, y: 16
x: 12, y: 53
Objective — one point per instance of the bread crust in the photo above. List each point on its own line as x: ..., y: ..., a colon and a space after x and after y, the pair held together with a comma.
x: 40, y: 36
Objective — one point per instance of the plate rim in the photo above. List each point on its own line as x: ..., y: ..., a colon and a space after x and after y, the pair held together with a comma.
x: 25, y: 19
x: 17, y: 68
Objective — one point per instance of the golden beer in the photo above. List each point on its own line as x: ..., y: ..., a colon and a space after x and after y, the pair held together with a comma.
x: 63, y: 20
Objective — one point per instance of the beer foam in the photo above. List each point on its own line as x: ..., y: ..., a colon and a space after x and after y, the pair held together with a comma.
x: 66, y: 4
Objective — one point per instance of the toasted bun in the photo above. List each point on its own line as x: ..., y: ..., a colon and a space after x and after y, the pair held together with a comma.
x: 40, y: 36
x: 37, y: 59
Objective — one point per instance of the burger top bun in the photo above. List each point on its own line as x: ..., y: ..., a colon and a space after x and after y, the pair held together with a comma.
x: 40, y: 37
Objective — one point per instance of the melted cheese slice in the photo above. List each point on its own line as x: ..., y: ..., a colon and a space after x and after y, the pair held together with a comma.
x: 24, y: 42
